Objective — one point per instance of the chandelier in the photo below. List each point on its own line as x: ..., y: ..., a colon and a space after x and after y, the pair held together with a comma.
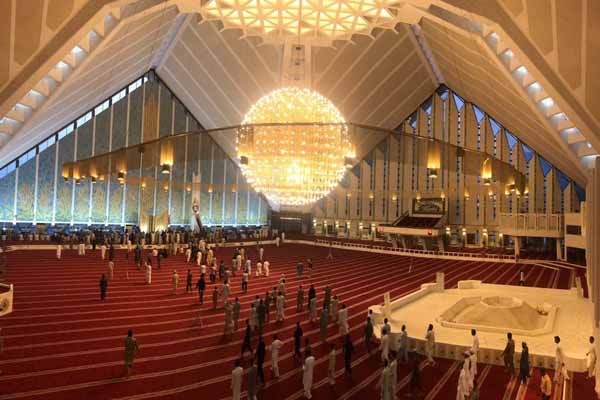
x: 294, y: 146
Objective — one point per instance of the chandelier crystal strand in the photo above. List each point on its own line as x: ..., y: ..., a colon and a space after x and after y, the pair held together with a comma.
x: 293, y: 145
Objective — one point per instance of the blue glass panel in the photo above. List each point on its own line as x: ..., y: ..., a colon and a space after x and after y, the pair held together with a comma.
x: 527, y: 152
x: 427, y: 106
x: 26, y: 191
x: 511, y: 139
x: 546, y: 166
x: 458, y: 101
x: 478, y: 113
x: 580, y: 192
x: 563, y: 180
x: 495, y: 127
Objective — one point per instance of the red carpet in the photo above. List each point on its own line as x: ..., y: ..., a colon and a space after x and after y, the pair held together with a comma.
x: 61, y: 342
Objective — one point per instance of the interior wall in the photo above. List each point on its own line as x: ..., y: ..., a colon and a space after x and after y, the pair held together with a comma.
x: 380, y: 188
x: 33, y: 191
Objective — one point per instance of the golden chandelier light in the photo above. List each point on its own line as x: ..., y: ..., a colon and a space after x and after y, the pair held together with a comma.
x: 293, y: 146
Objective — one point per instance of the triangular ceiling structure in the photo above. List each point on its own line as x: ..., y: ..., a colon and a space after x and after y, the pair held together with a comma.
x: 537, y: 76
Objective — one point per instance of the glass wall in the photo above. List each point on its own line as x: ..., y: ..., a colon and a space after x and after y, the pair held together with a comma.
x: 32, y: 188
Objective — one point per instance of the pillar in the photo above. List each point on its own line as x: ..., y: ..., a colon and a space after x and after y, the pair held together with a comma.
x: 517, y: 242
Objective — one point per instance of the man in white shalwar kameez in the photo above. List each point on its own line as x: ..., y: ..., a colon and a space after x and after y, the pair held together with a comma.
x: 385, y: 347
x: 474, y: 353
x: 280, y: 305
x: 236, y: 381
x: 430, y: 344
x: 343, y: 320
x: 111, y: 270
x: 307, y: 376
x: 148, y: 274
x: 103, y: 251
x: 59, y: 251
x: 277, y: 240
x: 591, y: 358
x: 225, y: 292
x: 266, y: 265
x: 276, y: 345
x: 188, y: 254
x: 258, y: 269
x: 462, y: 391
x: 385, y: 382
x: 82, y: 249
x: 261, y: 253
x: 559, y: 358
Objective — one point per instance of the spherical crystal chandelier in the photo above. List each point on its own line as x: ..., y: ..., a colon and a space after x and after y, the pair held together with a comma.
x: 294, y: 146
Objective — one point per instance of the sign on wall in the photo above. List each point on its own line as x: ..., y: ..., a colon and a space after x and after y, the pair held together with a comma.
x: 434, y: 205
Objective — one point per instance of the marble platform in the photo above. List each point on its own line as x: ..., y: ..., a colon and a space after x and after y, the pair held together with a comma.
x: 572, y: 320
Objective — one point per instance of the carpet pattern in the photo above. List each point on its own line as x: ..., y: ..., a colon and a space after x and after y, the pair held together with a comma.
x: 62, y: 342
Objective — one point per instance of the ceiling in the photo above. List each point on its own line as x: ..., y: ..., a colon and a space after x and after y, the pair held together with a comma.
x: 376, y: 79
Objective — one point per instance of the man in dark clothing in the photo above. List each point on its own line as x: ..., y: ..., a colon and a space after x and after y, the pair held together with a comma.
x: 311, y: 294
x: 103, y: 286
x: 260, y: 358
x: 188, y: 282
x: 246, y: 345
x: 297, y: 340
x: 111, y: 253
x: 348, y: 350
x: 509, y: 354
x: 201, y: 286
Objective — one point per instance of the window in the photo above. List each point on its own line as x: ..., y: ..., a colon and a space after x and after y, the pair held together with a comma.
x: 47, y: 143
x: 135, y: 85
x: 85, y: 118
x: 30, y: 155
x: 101, y: 107
x: 119, y: 96
x: 65, y: 131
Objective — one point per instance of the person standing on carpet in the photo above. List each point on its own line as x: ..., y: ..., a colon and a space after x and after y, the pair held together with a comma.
x: 261, y: 311
x: 280, y: 307
x: 403, y: 345
x: 297, y: 340
x: 307, y: 376
x: 430, y: 344
x: 334, y: 308
x: 103, y: 287
x: 245, y: 281
x: 558, y: 357
x: 276, y: 345
x: 386, y: 328
x: 225, y: 292
x: 261, y: 253
x: 228, y: 330
x: 385, y: 382
x: 236, y: 380
x: 111, y: 270
x: 201, y: 286
x: 246, y: 343
x: 545, y: 385
x: 175, y: 281
x: 268, y: 301
x: 58, y: 251
x: 524, y: 364
x: 509, y: 354
x: 131, y: 349
x: 348, y: 350
x: 266, y: 265
x: 331, y: 365
x: 327, y: 297
x: 343, y: 320
x: 188, y: 281
x: 312, y: 293
x: 148, y: 272
x: 300, y: 299
x: 385, y: 347
x: 103, y: 250
x: 463, y: 389
x: 252, y: 384
x: 368, y: 335
x: 591, y: 359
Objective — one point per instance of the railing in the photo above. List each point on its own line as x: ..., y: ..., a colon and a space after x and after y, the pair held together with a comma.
x: 531, y: 224
x: 420, y: 253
